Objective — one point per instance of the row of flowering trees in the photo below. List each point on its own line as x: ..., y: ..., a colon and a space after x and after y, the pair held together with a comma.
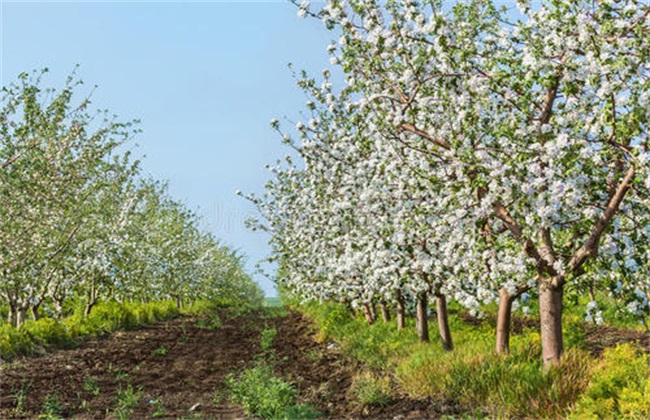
x: 472, y: 153
x: 77, y: 221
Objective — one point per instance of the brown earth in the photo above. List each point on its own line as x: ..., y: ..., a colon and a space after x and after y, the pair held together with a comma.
x: 178, y: 363
x: 175, y: 363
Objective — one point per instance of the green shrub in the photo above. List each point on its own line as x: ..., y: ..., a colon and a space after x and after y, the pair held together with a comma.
x: 619, y: 386
x: 14, y: 342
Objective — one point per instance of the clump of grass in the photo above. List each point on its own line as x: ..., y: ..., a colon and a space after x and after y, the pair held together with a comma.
x: 264, y: 395
x: 160, y: 351
x: 267, y: 337
x: 127, y: 399
x: 52, y: 408
x: 371, y: 390
x: 213, y: 322
x: 159, y: 407
x: 90, y: 384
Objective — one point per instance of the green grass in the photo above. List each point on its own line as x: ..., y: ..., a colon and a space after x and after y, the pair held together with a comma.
x: 213, y: 322
x: 52, y: 408
x: 36, y: 337
x: 263, y: 395
x: 476, y: 378
x: 160, y: 351
x: 126, y: 400
x: 371, y: 390
x: 267, y: 337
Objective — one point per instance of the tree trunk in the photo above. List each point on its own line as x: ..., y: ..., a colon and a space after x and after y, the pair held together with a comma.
x: 92, y: 299
x: 384, y: 311
x: 21, y: 316
x: 368, y: 314
x: 550, y: 314
x: 443, y: 322
x: 422, y: 320
x: 401, y: 312
x: 503, y: 322
x: 373, y: 310
x: 34, y: 309
x: 89, y: 307
x: 11, y: 316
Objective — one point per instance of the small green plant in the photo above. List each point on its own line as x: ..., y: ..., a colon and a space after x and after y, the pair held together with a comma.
x: 268, y: 335
x: 121, y: 374
x: 127, y: 399
x: 159, y: 408
x: 369, y: 390
x: 213, y: 322
x: 84, y: 406
x: 52, y: 408
x: 160, y: 351
x: 20, y: 396
x: 90, y: 384
x: 264, y: 395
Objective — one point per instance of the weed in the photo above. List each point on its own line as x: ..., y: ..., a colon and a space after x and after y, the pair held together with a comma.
x: 212, y: 323
x: 90, y: 384
x: 52, y: 408
x: 127, y: 399
x: 160, y: 351
x: 159, y: 408
x: 84, y: 406
x: 20, y: 396
x: 620, y: 386
x: 268, y: 335
x: 370, y: 390
x: 121, y: 374
x: 266, y: 396
x: 34, y: 336
x: 481, y: 381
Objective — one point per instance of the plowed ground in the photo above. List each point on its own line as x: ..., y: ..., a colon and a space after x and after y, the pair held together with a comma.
x: 177, y: 364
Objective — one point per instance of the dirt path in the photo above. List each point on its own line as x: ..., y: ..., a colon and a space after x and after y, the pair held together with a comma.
x: 175, y: 363
x: 182, y: 362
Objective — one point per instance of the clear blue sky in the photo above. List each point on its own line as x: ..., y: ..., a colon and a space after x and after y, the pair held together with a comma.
x: 205, y: 78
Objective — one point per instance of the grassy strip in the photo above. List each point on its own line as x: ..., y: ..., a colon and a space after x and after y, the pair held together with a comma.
x: 618, y: 384
x: 35, y: 337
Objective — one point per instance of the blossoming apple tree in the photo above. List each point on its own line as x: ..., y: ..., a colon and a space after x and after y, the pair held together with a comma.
x: 531, y: 126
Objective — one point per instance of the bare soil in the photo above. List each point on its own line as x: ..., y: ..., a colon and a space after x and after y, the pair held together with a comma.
x: 178, y: 363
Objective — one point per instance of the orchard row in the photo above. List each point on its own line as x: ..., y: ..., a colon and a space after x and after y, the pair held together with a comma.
x: 79, y: 223
x: 472, y: 153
